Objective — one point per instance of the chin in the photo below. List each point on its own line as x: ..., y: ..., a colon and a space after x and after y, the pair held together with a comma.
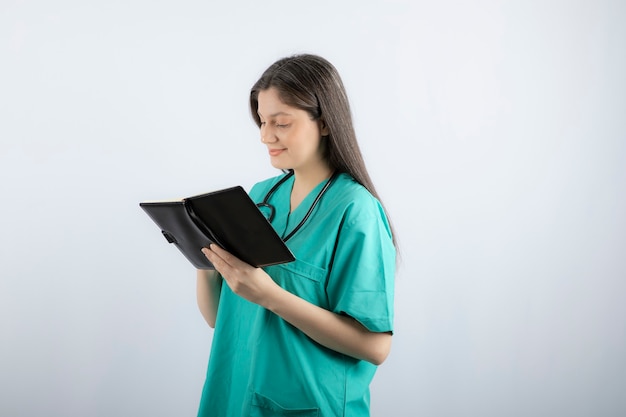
x: 278, y: 165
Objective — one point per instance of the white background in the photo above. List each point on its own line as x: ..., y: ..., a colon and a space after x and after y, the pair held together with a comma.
x: 494, y: 130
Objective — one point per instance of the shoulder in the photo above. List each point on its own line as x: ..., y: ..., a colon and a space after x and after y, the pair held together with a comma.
x: 352, y: 195
x: 356, y: 202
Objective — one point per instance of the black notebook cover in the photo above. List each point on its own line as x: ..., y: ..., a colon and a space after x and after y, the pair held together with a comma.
x: 228, y: 218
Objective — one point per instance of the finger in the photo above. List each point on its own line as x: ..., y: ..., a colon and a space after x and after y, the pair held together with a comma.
x: 226, y: 256
x: 218, y: 263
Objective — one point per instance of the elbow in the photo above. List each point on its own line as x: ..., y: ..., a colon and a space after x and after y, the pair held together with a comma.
x: 379, y: 349
x: 207, y: 315
x: 209, y: 318
x: 377, y: 358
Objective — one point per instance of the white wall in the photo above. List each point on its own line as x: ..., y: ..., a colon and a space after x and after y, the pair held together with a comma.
x: 496, y: 133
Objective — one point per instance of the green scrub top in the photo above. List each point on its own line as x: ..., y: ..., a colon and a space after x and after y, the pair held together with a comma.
x: 260, y: 365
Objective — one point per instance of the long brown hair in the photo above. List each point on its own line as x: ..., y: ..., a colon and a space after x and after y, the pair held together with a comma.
x: 311, y: 83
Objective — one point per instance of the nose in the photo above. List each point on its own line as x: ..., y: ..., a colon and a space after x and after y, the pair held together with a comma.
x: 267, y: 135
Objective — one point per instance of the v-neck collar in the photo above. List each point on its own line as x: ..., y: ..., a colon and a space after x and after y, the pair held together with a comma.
x: 285, y: 221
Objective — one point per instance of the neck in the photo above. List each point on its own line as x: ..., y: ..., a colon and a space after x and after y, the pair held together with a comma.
x: 305, y: 181
x: 308, y: 179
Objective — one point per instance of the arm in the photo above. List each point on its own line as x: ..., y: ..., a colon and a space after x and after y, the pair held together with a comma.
x: 208, y: 287
x: 340, y: 333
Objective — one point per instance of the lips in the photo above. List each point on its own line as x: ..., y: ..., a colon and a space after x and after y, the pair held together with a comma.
x: 275, y: 152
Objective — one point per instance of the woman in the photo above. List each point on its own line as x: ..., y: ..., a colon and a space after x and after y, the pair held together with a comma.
x: 303, y: 338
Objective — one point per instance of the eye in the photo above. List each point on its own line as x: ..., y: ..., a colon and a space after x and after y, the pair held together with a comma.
x: 282, y: 126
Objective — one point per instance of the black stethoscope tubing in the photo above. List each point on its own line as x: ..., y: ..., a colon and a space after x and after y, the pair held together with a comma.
x: 265, y: 203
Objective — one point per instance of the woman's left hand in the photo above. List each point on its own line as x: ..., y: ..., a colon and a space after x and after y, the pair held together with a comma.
x: 249, y: 282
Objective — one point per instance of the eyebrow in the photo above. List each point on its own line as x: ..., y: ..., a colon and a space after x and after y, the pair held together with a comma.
x: 280, y: 113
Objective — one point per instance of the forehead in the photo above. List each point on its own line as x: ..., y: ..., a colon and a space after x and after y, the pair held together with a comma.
x: 270, y: 104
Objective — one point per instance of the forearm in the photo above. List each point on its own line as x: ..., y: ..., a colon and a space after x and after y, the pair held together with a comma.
x: 208, y: 287
x: 340, y: 333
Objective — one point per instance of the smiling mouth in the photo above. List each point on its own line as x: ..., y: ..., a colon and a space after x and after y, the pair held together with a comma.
x: 275, y: 152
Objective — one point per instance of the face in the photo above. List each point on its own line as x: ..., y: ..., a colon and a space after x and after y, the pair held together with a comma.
x: 293, y: 139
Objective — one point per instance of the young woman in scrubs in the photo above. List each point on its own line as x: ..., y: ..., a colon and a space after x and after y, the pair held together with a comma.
x: 303, y: 338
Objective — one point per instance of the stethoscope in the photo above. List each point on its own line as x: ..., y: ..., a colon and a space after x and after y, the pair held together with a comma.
x: 269, y: 211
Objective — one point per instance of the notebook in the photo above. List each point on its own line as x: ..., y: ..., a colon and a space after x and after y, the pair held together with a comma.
x: 228, y: 218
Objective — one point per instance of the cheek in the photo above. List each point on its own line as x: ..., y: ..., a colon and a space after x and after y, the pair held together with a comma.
x: 303, y: 142
x: 315, y: 143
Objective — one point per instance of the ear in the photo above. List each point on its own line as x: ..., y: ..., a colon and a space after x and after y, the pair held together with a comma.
x: 323, y: 127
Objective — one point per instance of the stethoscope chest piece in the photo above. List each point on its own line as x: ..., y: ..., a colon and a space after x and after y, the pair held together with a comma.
x: 267, y: 210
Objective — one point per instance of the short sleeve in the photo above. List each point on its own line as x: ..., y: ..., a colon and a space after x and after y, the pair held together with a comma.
x: 361, y: 281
